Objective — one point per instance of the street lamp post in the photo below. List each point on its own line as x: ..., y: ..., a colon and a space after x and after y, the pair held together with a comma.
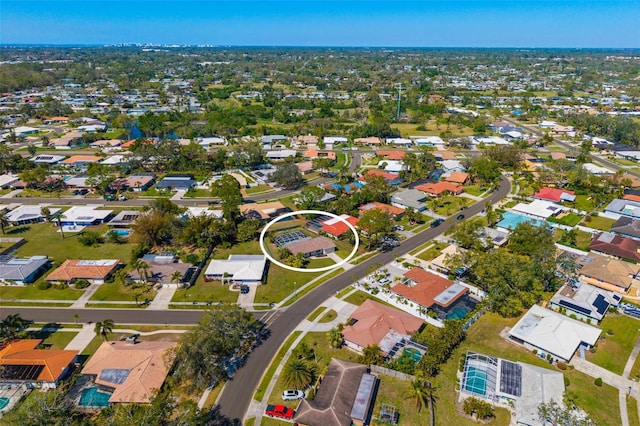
x: 295, y: 291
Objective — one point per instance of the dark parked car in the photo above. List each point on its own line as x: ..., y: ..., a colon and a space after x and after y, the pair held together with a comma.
x: 460, y: 216
x: 437, y: 223
x: 244, y: 289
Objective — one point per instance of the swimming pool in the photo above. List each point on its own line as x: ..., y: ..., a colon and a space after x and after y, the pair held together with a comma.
x: 121, y: 232
x: 476, y: 381
x: 92, y: 397
x: 413, y: 353
x: 4, y: 402
x: 458, y: 313
x: 512, y: 220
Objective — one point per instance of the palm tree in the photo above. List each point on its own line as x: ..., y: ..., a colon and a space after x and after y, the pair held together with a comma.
x: 176, y: 276
x: 298, y: 374
x: 57, y: 216
x: 104, y: 328
x: 4, y: 222
x: 372, y: 355
x: 11, y: 325
x: 144, y: 270
x: 335, y: 338
x: 46, y: 212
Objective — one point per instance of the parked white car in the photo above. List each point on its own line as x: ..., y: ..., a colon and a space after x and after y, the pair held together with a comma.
x: 291, y: 395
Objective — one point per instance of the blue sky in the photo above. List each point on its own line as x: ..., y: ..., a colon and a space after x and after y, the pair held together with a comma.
x: 426, y: 23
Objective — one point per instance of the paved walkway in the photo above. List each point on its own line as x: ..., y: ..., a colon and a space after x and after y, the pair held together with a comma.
x: 82, y: 339
x: 163, y: 298
x: 178, y: 195
x: 12, y: 193
x: 85, y: 296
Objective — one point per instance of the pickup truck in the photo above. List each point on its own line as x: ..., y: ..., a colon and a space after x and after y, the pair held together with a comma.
x: 279, y: 411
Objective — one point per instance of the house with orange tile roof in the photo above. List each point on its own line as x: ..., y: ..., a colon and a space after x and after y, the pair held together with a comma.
x: 438, y: 188
x: 94, y: 271
x: 457, y: 177
x: 391, y: 178
x: 371, y: 140
x: 55, y: 120
x: 392, y: 211
x: 22, y: 363
x: 305, y: 167
x: 311, y: 154
x: 336, y: 228
x: 429, y: 290
x: 376, y: 324
x: 391, y: 155
x: 80, y: 161
x: 132, y: 372
x: 442, y: 155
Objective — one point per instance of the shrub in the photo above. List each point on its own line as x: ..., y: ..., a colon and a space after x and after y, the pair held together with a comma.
x: 43, y: 285
x: 567, y: 382
x: 562, y: 365
x: 90, y: 238
x: 598, y: 382
x: 610, y: 332
x: 81, y: 283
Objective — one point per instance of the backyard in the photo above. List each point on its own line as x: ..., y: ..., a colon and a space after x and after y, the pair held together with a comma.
x: 613, y: 350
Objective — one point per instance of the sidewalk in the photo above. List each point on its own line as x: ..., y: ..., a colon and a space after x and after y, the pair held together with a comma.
x: 82, y: 339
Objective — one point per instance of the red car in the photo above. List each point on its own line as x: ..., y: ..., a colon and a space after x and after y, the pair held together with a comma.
x: 279, y: 411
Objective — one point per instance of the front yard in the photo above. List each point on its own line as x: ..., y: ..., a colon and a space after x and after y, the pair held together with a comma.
x: 613, y: 350
x: 115, y: 291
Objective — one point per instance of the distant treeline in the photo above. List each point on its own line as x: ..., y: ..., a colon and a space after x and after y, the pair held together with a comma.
x: 617, y: 129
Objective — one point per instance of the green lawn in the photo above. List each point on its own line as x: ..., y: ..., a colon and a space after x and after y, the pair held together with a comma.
x: 57, y: 340
x: 598, y: 222
x: 31, y: 292
x: 450, y: 204
x: 259, y: 189
x: 280, y: 281
x: 43, y: 239
x: 583, y: 239
x: 262, y: 388
x: 202, y: 291
x: 632, y: 411
x: 93, y: 346
x: 359, y: 297
x: 316, y: 313
x: 198, y: 193
x: 584, y: 203
x: 115, y: 291
x: 568, y: 219
x: 329, y: 316
x: 433, y: 252
x: 477, y: 189
x: 612, y: 351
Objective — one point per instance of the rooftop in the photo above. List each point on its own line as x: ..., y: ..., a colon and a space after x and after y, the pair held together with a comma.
x: 615, y: 245
x: 427, y: 289
x: 310, y: 245
x: 586, y: 299
x: 239, y: 267
x: 73, y: 269
x: 21, y: 361
x: 605, y: 269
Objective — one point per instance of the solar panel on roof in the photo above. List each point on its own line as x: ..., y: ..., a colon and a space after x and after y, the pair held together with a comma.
x: 114, y: 375
x: 575, y: 307
x: 601, y: 304
x: 510, y: 378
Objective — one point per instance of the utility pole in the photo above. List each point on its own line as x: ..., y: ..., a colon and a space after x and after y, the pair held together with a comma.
x: 399, y: 98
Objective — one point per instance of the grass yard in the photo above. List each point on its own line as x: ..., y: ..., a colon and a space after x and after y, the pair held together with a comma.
x: 118, y: 292
x: 329, y: 316
x: 432, y: 252
x: 477, y: 189
x: 43, y: 239
x: 93, y: 346
x: 584, y: 203
x: 612, y: 351
x: 280, y: 281
x: 598, y: 222
x: 262, y: 388
x: 250, y: 247
x: 203, y: 291
x: 568, y: 219
x: 198, y: 193
x: 632, y: 411
x: 450, y: 204
x: 31, y: 292
x: 359, y: 297
x: 54, y: 340
x: 483, y: 337
x: 258, y: 189
x: 583, y: 239
x: 315, y: 314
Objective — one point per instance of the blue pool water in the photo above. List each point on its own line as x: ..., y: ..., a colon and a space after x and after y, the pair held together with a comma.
x: 122, y: 232
x: 413, y: 353
x: 3, y: 402
x: 511, y: 220
x: 476, y: 381
x: 92, y: 397
x: 458, y: 313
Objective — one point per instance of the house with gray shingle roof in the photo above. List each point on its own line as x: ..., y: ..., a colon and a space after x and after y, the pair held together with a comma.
x: 15, y: 271
x: 410, y: 198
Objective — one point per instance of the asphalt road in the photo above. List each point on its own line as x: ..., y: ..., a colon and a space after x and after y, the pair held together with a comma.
x: 236, y: 396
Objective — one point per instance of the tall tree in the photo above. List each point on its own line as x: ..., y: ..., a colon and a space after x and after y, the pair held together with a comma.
x: 104, y: 328
x: 4, y: 222
x: 287, y: 175
x: 298, y: 374
x: 375, y: 223
x: 228, y: 190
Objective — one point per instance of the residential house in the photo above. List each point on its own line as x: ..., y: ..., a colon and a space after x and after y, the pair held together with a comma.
x: 48, y: 159
x: 94, y: 271
x: 391, y: 155
x: 376, y: 324
x: 337, y: 228
x: 238, y: 269
x: 281, y: 154
x: 22, y: 364
x: 208, y: 142
x: 439, y: 188
x: 202, y: 211
x: 627, y: 227
x: 450, y: 166
x: 551, y: 333
x: 263, y: 211
x: 306, y: 140
x: 124, y: 219
x: 617, y: 246
x: 331, y: 141
x: 584, y: 302
x: 400, y: 142
x: 132, y: 372
x: 609, y: 273
x: 80, y: 161
x: 84, y: 216
x: 460, y: 178
x: 136, y: 182
x: 16, y: 271
x: 306, y: 167
x: 268, y: 141
x: 597, y: 170
x: 161, y: 270
x: 429, y: 290
x: 539, y: 209
x: 107, y: 144
x: 629, y: 208
x: 27, y: 214
x: 435, y: 141
x: 311, y: 247
x: 409, y: 198
x: 116, y: 160
x: 515, y: 385
x: 555, y: 195
x: 392, y: 179
x: 489, y: 140
x: 312, y: 154
x: 392, y: 166
x: 393, y: 211
x: 345, y: 397
x: 370, y: 141
x: 177, y: 182
x: 442, y: 155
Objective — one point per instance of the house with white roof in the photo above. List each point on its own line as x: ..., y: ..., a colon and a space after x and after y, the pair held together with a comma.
x: 47, y: 159
x: 489, y: 140
x: 391, y: 166
x: 202, y: 211
x: 26, y: 214
x: 597, y: 170
x: 547, y: 124
x: 281, y: 154
x: 238, y: 269
x: 114, y: 160
x: 452, y: 166
x: 207, y: 143
x: 540, y: 209
x: 428, y: 140
x: 84, y: 216
x: 551, y: 333
x: 400, y: 142
x: 330, y: 141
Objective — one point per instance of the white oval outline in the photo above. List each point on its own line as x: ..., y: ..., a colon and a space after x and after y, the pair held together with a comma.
x: 318, y: 212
